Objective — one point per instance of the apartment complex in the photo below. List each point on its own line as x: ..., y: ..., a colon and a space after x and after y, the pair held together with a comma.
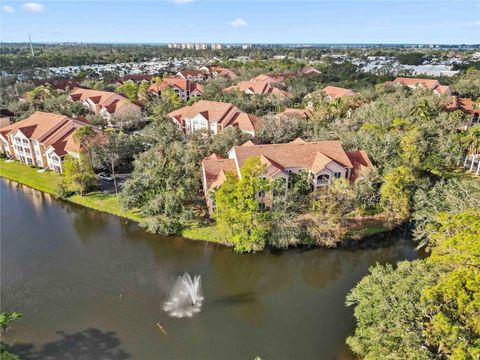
x: 429, y: 84
x: 43, y: 140
x: 185, y: 89
x: 105, y: 103
x: 334, y: 92
x: 324, y: 161
x: 213, y: 116
x: 260, y: 87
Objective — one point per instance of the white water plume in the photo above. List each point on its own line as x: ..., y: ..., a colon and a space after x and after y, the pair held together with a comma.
x: 185, y: 298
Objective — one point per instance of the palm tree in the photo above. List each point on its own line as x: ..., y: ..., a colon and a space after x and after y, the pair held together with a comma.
x: 472, y: 143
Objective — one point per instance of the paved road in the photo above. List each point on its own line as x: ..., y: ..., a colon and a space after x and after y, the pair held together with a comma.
x: 109, y: 187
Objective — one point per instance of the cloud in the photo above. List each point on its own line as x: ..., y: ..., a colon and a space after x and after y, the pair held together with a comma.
x: 32, y: 7
x: 181, y: 2
x: 7, y: 9
x: 238, y: 22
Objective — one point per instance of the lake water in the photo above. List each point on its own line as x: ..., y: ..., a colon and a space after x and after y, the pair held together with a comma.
x: 91, y: 286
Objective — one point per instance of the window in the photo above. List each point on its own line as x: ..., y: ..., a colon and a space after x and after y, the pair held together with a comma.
x: 261, y: 206
x: 337, y: 175
x: 323, y: 179
x: 25, y: 141
x: 261, y: 193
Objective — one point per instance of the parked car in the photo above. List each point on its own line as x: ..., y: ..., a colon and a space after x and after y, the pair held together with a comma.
x: 105, y: 177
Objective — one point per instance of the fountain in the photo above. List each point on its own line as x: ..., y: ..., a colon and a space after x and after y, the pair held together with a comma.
x: 185, y: 298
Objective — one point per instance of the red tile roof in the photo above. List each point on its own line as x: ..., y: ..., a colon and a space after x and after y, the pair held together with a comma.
x: 360, y: 161
x: 258, y: 87
x: 334, y: 92
x: 224, y: 114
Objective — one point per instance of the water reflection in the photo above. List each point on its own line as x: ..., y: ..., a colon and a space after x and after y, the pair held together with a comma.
x: 72, y: 268
x: 89, y: 344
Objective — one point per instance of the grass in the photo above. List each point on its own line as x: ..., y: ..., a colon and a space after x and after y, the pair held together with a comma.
x: 27, y: 175
x: 104, y: 202
x: 48, y: 182
x: 204, y: 233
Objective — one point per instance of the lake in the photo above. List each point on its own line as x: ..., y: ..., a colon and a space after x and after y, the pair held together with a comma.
x: 91, y: 286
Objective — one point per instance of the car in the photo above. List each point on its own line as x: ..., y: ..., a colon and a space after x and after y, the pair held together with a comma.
x: 105, y: 177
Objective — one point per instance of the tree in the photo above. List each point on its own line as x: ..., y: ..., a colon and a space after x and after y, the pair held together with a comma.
x: 453, y: 303
x: 129, y: 89
x: 238, y: 214
x: 162, y: 182
x: 285, y: 226
x: 77, y: 176
x: 387, y: 311
x: 396, y: 191
x: 452, y: 196
x: 5, y: 320
x: 426, y: 309
x: 166, y: 102
x: 366, y: 188
x: 115, y: 149
x: 84, y: 136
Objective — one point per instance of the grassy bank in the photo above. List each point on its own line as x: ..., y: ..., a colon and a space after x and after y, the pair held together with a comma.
x: 204, y: 233
x: 48, y: 182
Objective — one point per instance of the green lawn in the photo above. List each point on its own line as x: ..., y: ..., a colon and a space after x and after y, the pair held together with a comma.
x: 204, y: 233
x: 16, y: 171
x: 48, y: 182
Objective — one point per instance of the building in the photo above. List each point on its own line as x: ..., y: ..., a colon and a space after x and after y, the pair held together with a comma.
x: 253, y: 87
x: 289, y: 114
x: 217, y: 46
x: 429, y: 84
x: 468, y: 107
x: 334, y: 92
x: 213, y: 116
x: 105, y: 104
x: 324, y: 161
x: 185, y: 89
x: 192, y: 75
x: 309, y: 71
x: 215, y: 71
x: 43, y: 140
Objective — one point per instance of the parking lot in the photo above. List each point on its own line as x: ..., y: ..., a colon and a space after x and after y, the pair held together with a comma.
x: 109, y: 187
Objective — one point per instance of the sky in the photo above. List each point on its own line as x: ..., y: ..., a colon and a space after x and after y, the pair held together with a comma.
x: 246, y: 21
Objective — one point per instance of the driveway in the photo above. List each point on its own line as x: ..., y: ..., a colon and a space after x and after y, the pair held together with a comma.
x: 109, y: 187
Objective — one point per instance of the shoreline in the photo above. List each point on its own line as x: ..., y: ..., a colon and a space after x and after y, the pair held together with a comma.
x: 46, y: 182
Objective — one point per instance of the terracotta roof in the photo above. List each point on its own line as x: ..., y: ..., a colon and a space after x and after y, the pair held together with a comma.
x: 464, y: 104
x: 180, y: 83
x: 109, y: 100
x: 258, y: 87
x: 224, y: 114
x: 50, y: 130
x: 442, y: 89
x: 294, y: 114
x: 309, y: 70
x: 427, y: 83
x: 335, y: 92
x: 191, y: 72
x: 222, y: 72
x: 134, y: 78
x: 360, y: 161
x: 215, y: 169
x: 296, y: 154
x: 37, y: 126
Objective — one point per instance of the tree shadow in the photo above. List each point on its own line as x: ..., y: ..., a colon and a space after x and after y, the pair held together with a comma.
x: 89, y: 344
